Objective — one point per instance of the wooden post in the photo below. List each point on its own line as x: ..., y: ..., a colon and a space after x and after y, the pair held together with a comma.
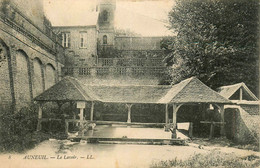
x: 66, y: 127
x: 81, y: 114
x: 92, y: 111
x: 222, y: 126
x: 191, y: 130
x: 129, y: 113
x: 203, y: 111
x: 166, y: 114
x: 174, y: 114
x: 211, y: 134
x: 39, y: 125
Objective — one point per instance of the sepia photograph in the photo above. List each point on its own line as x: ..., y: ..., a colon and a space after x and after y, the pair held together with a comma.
x: 129, y: 83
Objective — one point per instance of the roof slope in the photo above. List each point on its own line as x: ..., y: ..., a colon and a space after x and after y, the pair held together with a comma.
x: 129, y: 94
x: 192, y: 90
x: 229, y: 90
x: 67, y: 89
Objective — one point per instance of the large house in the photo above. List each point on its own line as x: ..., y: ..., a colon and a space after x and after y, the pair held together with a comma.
x: 95, y: 48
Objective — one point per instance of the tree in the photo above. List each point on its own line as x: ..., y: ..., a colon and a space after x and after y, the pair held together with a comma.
x: 216, y: 41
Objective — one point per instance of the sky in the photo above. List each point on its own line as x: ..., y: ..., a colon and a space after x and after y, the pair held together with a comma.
x: 144, y: 17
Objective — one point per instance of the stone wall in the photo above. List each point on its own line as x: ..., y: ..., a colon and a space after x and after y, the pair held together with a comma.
x: 251, y: 109
x: 242, y: 126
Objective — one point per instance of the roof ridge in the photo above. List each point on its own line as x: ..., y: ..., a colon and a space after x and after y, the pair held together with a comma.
x: 189, y: 80
x: 241, y: 83
x: 81, y: 92
x: 171, y: 90
x: 129, y: 85
x: 213, y: 90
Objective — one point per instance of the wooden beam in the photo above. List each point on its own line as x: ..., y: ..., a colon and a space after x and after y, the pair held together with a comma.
x: 136, y: 141
x: 39, y: 125
x: 241, y: 94
x: 122, y: 123
x: 166, y: 114
x: 92, y: 111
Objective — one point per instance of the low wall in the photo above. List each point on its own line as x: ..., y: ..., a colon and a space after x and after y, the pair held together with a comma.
x: 243, y: 125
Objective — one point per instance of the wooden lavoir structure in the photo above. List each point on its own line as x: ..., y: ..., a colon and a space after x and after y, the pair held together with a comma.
x: 188, y: 92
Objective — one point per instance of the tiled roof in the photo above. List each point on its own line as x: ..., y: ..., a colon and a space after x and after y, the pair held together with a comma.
x: 68, y: 89
x: 190, y: 90
x: 229, y: 90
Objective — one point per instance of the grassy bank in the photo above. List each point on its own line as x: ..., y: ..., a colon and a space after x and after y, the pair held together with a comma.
x: 212, y: 159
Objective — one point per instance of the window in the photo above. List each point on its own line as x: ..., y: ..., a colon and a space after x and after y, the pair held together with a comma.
x: 66, y: 39
x: 105, y: 15
x: 105, y: 39
x: 83, y: 39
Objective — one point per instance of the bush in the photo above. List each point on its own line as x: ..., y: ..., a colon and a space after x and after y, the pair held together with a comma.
x: 16, y: 129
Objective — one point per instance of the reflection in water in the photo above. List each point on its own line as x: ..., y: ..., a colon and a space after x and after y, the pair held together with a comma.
x: 106, y: 155
x: 107, y: 131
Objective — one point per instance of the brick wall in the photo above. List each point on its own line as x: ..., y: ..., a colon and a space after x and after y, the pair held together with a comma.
x: 21, y: 80
x: 37, y: 77
x: 50, y: 76
x: 19, y: 77
x: 5, y: 90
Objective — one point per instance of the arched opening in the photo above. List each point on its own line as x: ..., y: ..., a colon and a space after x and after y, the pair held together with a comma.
x: 50, y: 76
x: 22, y: 85
x: 105, y: 39
x: 37, y: 77
x: 5, y: 91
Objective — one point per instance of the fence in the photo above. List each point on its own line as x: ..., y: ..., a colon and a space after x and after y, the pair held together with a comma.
x: 130, y: 62
x: 113, y: 71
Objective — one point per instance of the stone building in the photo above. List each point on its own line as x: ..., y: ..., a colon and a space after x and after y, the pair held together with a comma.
x: 95, y: 50
x: 31, y: 54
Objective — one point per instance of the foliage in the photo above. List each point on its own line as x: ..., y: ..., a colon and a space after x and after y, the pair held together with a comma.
x: 216, y: 41
x: 104, y: 51
x: 17, y: 129
x: 212, y: 159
